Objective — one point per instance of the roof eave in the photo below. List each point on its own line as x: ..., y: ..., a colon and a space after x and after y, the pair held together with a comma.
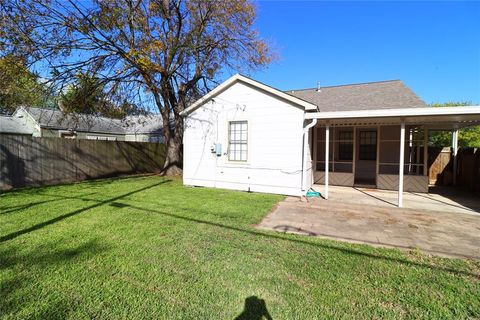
x: 403, y: 112
x: 238, y: 77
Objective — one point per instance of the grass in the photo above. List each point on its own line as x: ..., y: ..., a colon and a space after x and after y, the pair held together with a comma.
x: 148, y: 247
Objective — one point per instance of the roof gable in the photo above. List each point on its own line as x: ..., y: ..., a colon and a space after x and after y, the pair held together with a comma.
x: 258, y: 85
x: 391, y: 94
x: 9, y: 124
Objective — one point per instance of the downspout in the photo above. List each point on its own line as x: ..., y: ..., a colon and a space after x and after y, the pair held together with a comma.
x: 305, y: 146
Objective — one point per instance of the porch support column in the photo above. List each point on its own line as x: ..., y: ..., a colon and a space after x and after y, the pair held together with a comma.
x: 327, y: 149
x: 401, y: 163
x: 425, y: 151
x: 455, y: 151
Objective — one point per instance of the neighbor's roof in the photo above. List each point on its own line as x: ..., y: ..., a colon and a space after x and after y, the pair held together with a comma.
x: 143, y: 124
x: 239, y: 78
x: 392, y: 94
x: 56, y: 119
x: 10, y: 124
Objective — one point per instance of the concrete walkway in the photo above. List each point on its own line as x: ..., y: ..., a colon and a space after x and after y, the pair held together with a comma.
x: 451, y: 234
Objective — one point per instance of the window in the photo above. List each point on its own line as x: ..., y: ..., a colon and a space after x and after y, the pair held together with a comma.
x: 109, y: 138
x: 67, y: 134
x: 368, y: 145
x: 237, y: 140
x: 345, y: 145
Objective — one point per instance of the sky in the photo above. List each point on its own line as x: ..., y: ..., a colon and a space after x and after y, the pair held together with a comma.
x: 433, y: 47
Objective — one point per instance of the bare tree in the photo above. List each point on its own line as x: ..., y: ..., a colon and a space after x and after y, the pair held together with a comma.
x: 166, y: 52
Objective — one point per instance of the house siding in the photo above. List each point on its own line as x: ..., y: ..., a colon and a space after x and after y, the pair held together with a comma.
x: 275, y: 142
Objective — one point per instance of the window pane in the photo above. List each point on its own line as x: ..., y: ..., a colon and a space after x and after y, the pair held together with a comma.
x: 368, y: 145
x: 238, y: 141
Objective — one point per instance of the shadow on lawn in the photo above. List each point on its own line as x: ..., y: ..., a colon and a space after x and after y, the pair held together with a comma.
x: 254, y: 309
x: 112, y: 202
x: 286, y: 238
x: 15, y: 234
x: 11, y: 209
x: 12, y: 289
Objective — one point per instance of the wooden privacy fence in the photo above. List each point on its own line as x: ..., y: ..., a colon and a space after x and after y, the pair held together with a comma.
x: 468, y: 168
x: 29, y: 161
x: 440, y: 164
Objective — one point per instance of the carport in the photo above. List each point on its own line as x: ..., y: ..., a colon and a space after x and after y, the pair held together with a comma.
x: 392, y: 142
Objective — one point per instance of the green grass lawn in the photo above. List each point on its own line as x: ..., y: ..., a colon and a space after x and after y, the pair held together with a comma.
x: 148, y: 247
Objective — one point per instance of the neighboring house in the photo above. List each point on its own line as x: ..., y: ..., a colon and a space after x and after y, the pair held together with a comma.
x: 143, y: 128
x: 14, y: 125
x: 55, y: 123
x: 246, y: 135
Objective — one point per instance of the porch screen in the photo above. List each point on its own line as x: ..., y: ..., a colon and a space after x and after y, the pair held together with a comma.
x: 368, y: 145
x: 345, y: 145
x: 237, y: 140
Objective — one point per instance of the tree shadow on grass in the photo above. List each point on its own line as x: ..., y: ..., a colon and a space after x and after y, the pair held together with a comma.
x: 113, y: 202
x: 350, y: 251
x: 20, y: 207
x: 38, y: 226
x: 13, y: 301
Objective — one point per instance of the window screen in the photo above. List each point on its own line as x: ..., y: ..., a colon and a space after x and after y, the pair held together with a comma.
x: 237, y: 140
x: 368, y: 145
x: 345, y: 145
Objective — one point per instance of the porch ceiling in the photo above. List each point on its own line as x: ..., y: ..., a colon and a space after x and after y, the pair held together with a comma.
x: 435, y: 118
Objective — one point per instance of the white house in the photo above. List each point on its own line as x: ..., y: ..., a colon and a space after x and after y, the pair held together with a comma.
x: 245, y: 135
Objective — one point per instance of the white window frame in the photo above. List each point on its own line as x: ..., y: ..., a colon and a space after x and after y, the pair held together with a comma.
x: 247, y: 142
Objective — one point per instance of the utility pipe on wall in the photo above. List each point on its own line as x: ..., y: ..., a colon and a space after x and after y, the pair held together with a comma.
x: 305, y: 146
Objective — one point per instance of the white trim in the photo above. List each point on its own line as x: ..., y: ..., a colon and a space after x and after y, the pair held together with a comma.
x: 455, y: 158
x: 306, y: 146
x: 237, y: 77
x: 401, y: 164
x: 404, y: 112
x: 226, y: 153
x: 425, y: 150
x: 327, y: 150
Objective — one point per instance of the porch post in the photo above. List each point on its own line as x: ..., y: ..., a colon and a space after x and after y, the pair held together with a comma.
x: 401, y: 164
x: 425, y: 150
x: 327, y: 149
x: 455, y: 151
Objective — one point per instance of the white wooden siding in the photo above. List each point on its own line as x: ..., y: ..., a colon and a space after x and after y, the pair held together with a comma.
x: 275, y: 140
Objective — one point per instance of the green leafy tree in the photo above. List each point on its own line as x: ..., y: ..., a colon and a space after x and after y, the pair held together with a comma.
x: 18, y: 86
x: 467, y: 137
x: 88, y: 95
x: 163, y: 53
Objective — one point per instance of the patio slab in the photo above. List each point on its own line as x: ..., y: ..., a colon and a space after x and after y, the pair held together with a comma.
x: 444, y: 199
x: 451, y: 234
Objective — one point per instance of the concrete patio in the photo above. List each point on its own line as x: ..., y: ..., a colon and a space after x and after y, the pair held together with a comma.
x: 444, y: 199
x: 446, y: 223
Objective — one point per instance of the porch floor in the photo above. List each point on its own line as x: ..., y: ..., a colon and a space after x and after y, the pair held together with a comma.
x: 445, y: 223
x: 440, y: 199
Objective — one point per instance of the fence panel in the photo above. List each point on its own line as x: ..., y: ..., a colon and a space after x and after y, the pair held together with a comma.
x: 30, y: 161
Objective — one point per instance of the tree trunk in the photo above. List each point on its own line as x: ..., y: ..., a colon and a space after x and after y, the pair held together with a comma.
x: 173, y: 157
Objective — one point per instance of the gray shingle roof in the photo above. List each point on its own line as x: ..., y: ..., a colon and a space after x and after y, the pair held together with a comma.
x: 390, y: 94
x: 14, y: 125
x: 143, y: 124
x: 56, y: 119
